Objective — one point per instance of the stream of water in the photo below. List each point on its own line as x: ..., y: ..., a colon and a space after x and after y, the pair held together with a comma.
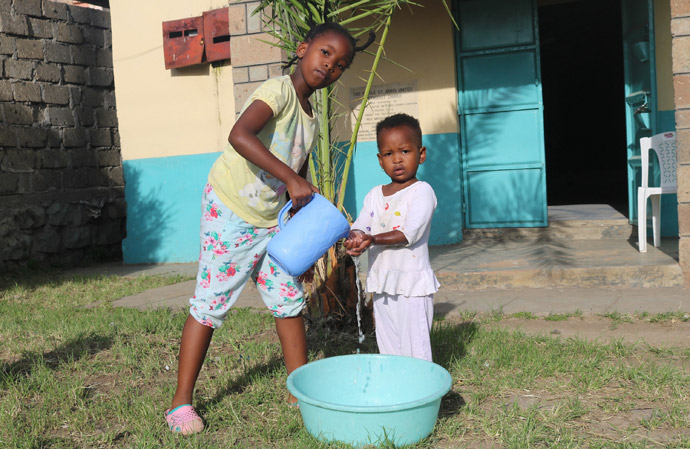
x: 355, y: 259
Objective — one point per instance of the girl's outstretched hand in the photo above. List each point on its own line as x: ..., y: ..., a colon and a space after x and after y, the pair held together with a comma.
x: 357, y: 242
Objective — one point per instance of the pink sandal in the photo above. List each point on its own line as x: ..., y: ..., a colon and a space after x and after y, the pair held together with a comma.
x: 184, y: 420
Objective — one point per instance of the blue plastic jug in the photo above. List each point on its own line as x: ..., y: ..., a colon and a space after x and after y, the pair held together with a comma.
x: 307, y: 235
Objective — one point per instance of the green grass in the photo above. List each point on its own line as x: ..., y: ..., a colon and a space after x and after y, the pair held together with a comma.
x: 78, y: 375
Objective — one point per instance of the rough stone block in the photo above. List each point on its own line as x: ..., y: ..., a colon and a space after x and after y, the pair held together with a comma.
x: 74, y: 137
x: 116, y: 138
x: 275, y: 70
x: 54, y: 10
x: 58, y: 116
x: 116, y: 208
x: 104, y: 57
x: 53, y: 94
x: 84, y: 55
x: 100, y: 137
x: 117, y: 177
x: 8, y: 183
x: 242, y: 93
x: 26, y: 91
x: 7, y: 44
x: 15, y: 245
x: 82, y: 158
x: 238, y: 22
x: 54, y: 137
x: 16, y: 69
x: 47, y: 72
x: 100, y: 77
x: 683, y: 183
x: 253, y: 20
x: 108, y: 39
x: 684, y: 258
x: 681, y: 54
x: 6, y: 91
x: 680, y: 26
x: 31, y: 137
x: 252, y: 50
x: 47, y: 240
x: 5, y: 5
x: 107, y: 118
x: 76, y: 237
x: 19, y: 114
x: 681, y: 90
x: 99, y: 18
x: 8, y: 138
x: 93, y: 36
x: 109, y: 99
x: 258, y: 72
x: 99, y: 178
x: 28, y: 7
x: 46, y: 181
x: 31, y: 217
x: 92, y: 97
x: 14, y: 24
x: 57, y: 52
x: 76, y: 178
x: 240, y: 75
x: 683, y: 146
x: 109, y: 232
x: 19, y: 161
x: 109, y: 158
x: 680, y: 8
x: 86, y: 116
x: 40, y: 28
x: 69, y: 32
x: 29, y: 49
x: 684, y: 219
x: 74, y: 74
x: 56, y: 213
x: 53, y: 158
x: 79, y: 14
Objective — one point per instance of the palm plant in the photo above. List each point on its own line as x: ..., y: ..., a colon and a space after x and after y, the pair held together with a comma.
x: 334, y: 289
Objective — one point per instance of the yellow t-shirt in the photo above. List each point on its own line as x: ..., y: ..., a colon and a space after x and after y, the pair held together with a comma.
x: 252, y: 193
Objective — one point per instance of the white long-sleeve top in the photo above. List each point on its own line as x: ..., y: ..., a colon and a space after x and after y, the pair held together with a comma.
x: 400, y: 270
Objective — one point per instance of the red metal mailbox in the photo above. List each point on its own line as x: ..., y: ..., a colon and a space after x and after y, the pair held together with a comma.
x: 183, y: 42
x: 217, y: 34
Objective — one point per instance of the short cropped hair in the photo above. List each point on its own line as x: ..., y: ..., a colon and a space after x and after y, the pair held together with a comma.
x: 397, y: 120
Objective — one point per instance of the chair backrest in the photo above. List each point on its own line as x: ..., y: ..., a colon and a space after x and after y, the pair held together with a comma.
x: 664, y: 145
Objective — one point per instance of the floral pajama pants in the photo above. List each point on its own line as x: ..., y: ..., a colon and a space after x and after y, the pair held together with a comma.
x: 232, y: 251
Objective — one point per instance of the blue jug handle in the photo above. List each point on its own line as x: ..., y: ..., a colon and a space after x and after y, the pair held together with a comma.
x: 285, y: 209
x: 281, y: 214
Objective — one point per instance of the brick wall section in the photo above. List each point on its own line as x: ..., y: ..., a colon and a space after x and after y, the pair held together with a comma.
x: 680, y: 31
x: 253, y: 60
x: 61, y: 182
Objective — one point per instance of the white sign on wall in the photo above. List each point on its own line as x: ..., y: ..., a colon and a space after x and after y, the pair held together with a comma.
x: 384, y: 100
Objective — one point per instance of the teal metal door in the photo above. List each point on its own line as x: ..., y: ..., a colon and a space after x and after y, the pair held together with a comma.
x: 501, y: 114
x: 640, y: 87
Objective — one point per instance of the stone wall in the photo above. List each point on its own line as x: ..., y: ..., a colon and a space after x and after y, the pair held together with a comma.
x: 253, y: 60
x: 680, y: 31
x: 61, y: 183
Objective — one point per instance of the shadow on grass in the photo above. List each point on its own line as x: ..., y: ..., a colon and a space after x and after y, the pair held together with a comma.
x: 71, y: 351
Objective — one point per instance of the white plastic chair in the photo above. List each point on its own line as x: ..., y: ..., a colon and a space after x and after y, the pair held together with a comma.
x: 664, y: 145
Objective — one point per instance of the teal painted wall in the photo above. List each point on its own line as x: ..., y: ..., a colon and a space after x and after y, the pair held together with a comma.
x: 164, y: 208
x: 666, y: 121
x: 441, y: 170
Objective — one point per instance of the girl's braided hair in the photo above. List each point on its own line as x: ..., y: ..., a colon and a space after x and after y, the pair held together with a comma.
x: 327, y: 27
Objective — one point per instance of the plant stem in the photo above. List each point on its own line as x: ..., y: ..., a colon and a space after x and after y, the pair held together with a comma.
x: 353, y: 139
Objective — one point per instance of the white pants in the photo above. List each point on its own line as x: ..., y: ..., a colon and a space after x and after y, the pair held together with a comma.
x: 403, y: 324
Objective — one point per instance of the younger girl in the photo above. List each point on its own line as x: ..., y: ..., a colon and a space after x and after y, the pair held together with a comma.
x: 269, y: 146
x: 394, y: 224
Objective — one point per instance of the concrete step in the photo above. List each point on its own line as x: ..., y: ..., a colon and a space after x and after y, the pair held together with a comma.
x: 555, y: 262
x: 582, y: 221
